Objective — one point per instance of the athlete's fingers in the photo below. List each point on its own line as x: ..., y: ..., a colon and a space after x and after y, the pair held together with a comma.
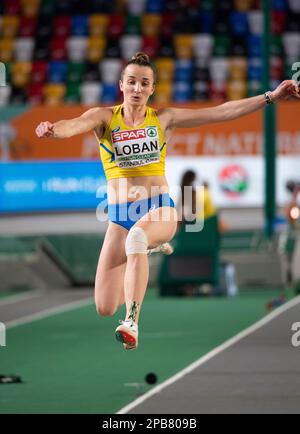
x: 296, y: 90
x: 287, y: 89
x: 44, y: 129
x: 292, y: 89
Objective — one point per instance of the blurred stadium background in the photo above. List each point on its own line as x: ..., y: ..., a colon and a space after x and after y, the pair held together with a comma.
x: 58, y: 57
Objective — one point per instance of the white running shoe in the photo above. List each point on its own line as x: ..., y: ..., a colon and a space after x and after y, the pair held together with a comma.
x: 127, y: 333
x: 164, y: 248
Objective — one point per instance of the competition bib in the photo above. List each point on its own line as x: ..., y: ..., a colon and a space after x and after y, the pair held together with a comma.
x: 138, y: 147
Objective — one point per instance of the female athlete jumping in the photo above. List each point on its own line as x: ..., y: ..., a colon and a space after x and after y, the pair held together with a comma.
x: 133, y: 141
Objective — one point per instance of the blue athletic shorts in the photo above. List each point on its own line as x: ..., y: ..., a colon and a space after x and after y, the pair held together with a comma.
x: 127, y: 214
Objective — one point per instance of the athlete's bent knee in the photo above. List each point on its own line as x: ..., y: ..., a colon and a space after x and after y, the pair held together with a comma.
x: 105, y: 310
x: 136, y: 241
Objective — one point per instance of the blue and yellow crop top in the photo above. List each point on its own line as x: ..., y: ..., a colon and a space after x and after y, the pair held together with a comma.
x: 138, y: 151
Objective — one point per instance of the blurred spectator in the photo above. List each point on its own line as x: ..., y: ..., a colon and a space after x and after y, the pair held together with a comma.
x: 7, y: 135
x: 186, y: 204
x: 293, y: 206
x: 209, y: 208
x: 288, y: 237
x: 194, y: 202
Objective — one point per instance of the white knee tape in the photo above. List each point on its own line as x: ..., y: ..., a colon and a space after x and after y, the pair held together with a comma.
x: 136, y: 241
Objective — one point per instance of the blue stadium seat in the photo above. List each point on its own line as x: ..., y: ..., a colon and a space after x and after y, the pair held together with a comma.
x: 206, y: 22
x: 182, y: 91
x: 57, y: 71
x: 110, y: 93
x: 255, y: 69
x: 279, y: 5
x: 239, y: 23
x: 184, y: 70
x: 254, y: 43
x: 154, y: 6
x: 79, y: 25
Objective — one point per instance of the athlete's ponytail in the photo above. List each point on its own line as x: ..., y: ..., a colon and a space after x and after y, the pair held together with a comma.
x: 141, y: 59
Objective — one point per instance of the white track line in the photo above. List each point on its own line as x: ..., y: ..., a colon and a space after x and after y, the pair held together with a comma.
x: 210, y: 355
x: 21, y: 297
x: 48, y: 312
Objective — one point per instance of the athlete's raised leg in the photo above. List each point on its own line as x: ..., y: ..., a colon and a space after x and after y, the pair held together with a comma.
x: 159, y: 227
x: 155, y: 228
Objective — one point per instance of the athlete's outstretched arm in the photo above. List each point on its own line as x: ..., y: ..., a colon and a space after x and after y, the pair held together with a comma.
x: 89, y: 120
x: 188, y: 118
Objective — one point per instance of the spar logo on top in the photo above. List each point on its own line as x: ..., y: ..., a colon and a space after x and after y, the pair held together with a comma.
x: 135, y: 148
x: 234, y: 181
